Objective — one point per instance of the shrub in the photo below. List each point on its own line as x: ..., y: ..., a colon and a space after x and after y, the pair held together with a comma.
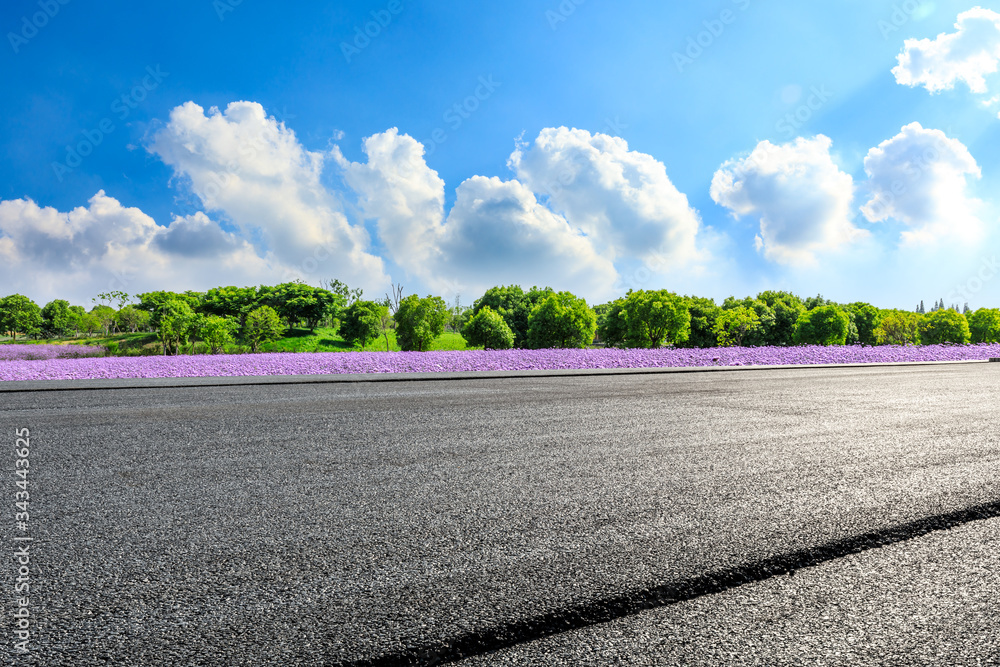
x: 488, y: 330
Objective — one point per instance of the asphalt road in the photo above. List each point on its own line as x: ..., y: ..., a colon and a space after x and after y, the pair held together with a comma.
x: 354, y: 523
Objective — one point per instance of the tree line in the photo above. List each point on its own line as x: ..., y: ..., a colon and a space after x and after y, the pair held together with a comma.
x: 504, y: 317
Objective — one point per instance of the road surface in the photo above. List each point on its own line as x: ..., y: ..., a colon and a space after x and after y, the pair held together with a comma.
x: 780, y: 516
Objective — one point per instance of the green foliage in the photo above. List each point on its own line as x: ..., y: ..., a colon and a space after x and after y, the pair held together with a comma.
x: 787, y: 308
x: 758, y: 335
x: 19, y: 314
x: 262, y: 325
x: 735, y: 325
x: 297, y: 302
x: 235, y: 302
x: 515, y: 306
x: 152, y: 302
x: 823, y: 325
x: 704, y: 314
x: 362, y: 322
x: 984, y: 325
x: 866, y: 319
x: 217, y: 332
x: 944, y: 326
x: 562, y: 321
x: 420, y: 321
x: 176, y: 321
x: 58, y: 319
x: 347, y: 295
x: 655, y: 318
x: 487, y: 329
x: 132, y: 320
x: 817, y: 301
x: 612, y: 323
x: 898, y: 327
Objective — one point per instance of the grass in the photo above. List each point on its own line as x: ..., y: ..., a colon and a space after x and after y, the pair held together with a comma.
x: 327, y: 340
x: 294, y: 340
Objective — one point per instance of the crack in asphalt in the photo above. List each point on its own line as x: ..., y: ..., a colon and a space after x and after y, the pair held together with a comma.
x: 633, y: 602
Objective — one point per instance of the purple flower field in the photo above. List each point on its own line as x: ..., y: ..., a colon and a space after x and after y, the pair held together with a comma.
x: 505, y: 360
x: 47, y: 352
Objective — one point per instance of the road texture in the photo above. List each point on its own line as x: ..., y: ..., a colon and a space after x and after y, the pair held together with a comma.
x: 421, y: 521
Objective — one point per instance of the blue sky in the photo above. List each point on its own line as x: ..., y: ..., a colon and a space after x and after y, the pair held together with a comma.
x: 709, y: 148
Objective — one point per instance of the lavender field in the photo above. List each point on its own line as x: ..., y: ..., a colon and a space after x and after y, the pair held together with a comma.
x: 19, y: 364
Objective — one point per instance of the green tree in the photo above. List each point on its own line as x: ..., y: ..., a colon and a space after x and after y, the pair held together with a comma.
x: 262, y: 326
x: 867, y: 319
x: 704, y: 314
x: 362, y: 322
x: 131, y: 319
x: 759, y: 335
x: 984, y: 325
x: 217, y: 332
x: 419, y: 322
x: 488, y: 330
x: 297, y: 302
x: 656, y: 318
x: 735, y: 325
x: 18, y: 313
x: 944, y: 325
x: 823, y: 325
x: 514, y: 305
x: 175, y: 324
x: 898, y: 327
x: 347, y: 295
x: 787, y: 309
x: 562, y: 321
x: 57, y: 319
x: 612, y: 323
x: 231, y: 301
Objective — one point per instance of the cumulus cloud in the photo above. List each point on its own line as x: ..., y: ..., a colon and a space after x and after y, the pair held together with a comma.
x: 621, y: 199
x: 919, y: 178
x: 801, y: 197
x: 496, y: 232
x: 50, y: 254
x: 252, y: 169
x: 969, y: 54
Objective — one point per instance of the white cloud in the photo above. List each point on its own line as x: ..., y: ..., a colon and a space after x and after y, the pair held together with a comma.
x: 919, y: 178
x: 252, y: 169
x: 803, y: 200
x: 621, y: 199
x: 497, y: 232
x: 969, y: 54
x: 48, y: 254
